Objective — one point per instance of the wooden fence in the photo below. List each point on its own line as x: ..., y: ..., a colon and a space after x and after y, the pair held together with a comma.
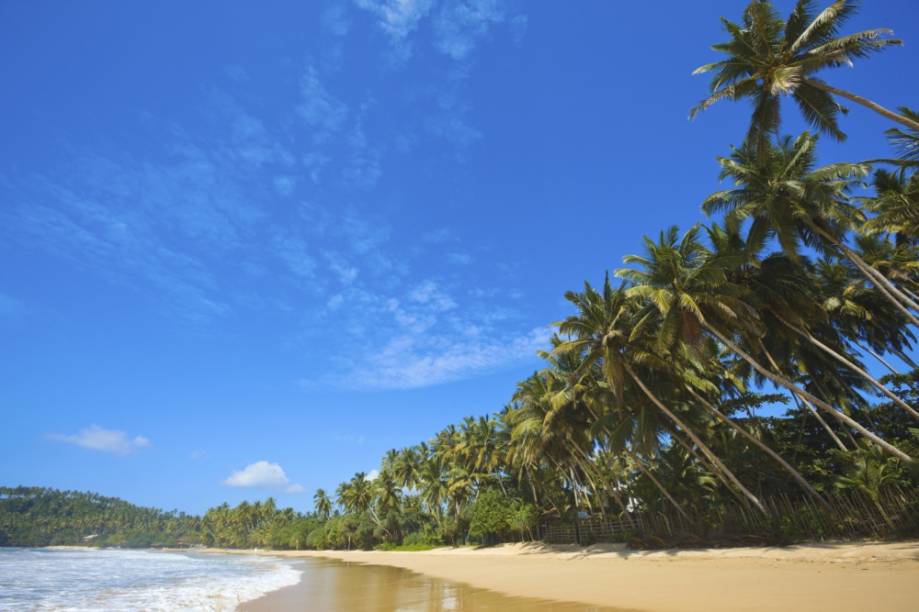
x: 849, y: 514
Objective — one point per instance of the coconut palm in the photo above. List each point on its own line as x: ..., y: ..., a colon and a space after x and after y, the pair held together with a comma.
x: 356, y: 494
x: 864, y: 317
x: 604, y: 330
x: 787, y: 198
x: 433, y: 486
x: 768, y: 57
x: 906, y: 142
x: 407, y: 467
x: 895, y: 206
x: 322, y: 504
x: 684, y: 284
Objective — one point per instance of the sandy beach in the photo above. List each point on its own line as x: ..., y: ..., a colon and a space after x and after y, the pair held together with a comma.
x: 818, y: 577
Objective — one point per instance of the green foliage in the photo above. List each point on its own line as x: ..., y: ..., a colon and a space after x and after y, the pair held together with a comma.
x: 35, y: 516
x: 490, y: 516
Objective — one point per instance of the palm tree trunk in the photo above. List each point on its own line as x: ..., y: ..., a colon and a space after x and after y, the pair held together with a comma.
x: 880, y: 359
x: 698, y: 441
x: 880, y: 281
x: 864, y: 102
x: 826, y: 426
x: 532, y: 486
x: 890, y: 291
x: 644, y: 470
x: 784, y: 382
x: 877, y: 277
x: 807, y: 404
x: 709, y: 466
x: 912, y: 295
x: 763, y: 447
x: 883, y: 389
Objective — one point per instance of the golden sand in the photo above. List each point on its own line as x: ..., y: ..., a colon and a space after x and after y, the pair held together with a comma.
x: 820, y: 577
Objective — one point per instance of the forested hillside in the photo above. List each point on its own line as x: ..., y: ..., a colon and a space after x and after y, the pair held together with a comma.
x: 36, y: 516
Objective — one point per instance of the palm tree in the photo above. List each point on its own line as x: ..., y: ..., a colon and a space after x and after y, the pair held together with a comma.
x: 864, y: 317
x: 355, y: 495
x: 407, y: 467
x: 550, y: 432
x: 790, y: 200
x: 895, y: 206
x: 322, y: 504
x: 683, y: 283
x: 906, y: 141
x: 604, y: 330
x: 769, y: 57
x: 433, y: 486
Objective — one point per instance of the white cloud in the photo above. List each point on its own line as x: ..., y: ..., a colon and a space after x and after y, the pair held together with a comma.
x: 263, y: 474
x: 398, y: 18
x: 320, y: 109
x: 104, y: 440
x: 409, y: 362
x: 459, y: 25
x: 430, y: 294
x: 373, y: 474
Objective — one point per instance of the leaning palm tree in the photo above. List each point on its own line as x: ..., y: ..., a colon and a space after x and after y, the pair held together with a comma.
x: 769, y: 57
x: 895, y: 206
x: 356, y: 494
x: 604, y: 330
x: 679, y: 279
x: 787, y: 198
x: 322, y: 504
x: 906, y: 142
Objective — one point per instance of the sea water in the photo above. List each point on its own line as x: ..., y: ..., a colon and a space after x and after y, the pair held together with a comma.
x: 110, y: 579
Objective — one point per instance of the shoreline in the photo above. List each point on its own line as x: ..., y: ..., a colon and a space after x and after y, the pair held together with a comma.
x: 816, y: 577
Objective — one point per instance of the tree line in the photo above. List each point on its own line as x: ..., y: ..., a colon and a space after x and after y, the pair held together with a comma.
x: 802, y: 283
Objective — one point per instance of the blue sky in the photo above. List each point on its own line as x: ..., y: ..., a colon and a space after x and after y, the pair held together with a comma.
x: 292, y: 235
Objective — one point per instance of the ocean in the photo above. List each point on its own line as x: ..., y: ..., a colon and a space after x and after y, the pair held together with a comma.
x: 109, y: 579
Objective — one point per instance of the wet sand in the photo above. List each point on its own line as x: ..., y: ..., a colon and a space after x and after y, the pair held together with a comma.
x: 819, y: 578
x: 329, y: 585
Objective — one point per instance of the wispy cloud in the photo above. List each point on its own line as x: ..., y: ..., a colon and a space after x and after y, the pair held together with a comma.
x: 398, y: 19
x: 263, y: 475
x: 320, y: 110
x: 457, y: 25
x: 104, y: 440
x: 409, y: 362
x: 460, y: 25
x: 280, y: 209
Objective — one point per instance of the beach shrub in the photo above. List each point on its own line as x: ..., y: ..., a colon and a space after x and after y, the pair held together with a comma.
x: 491, y: 516
x: 427, y: 536
x: 523, y: 520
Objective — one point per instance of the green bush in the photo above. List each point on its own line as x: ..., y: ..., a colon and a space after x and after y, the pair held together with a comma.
x: 491, y: 516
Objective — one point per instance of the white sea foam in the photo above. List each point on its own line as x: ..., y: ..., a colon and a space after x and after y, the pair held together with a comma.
x: 85, y: 579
